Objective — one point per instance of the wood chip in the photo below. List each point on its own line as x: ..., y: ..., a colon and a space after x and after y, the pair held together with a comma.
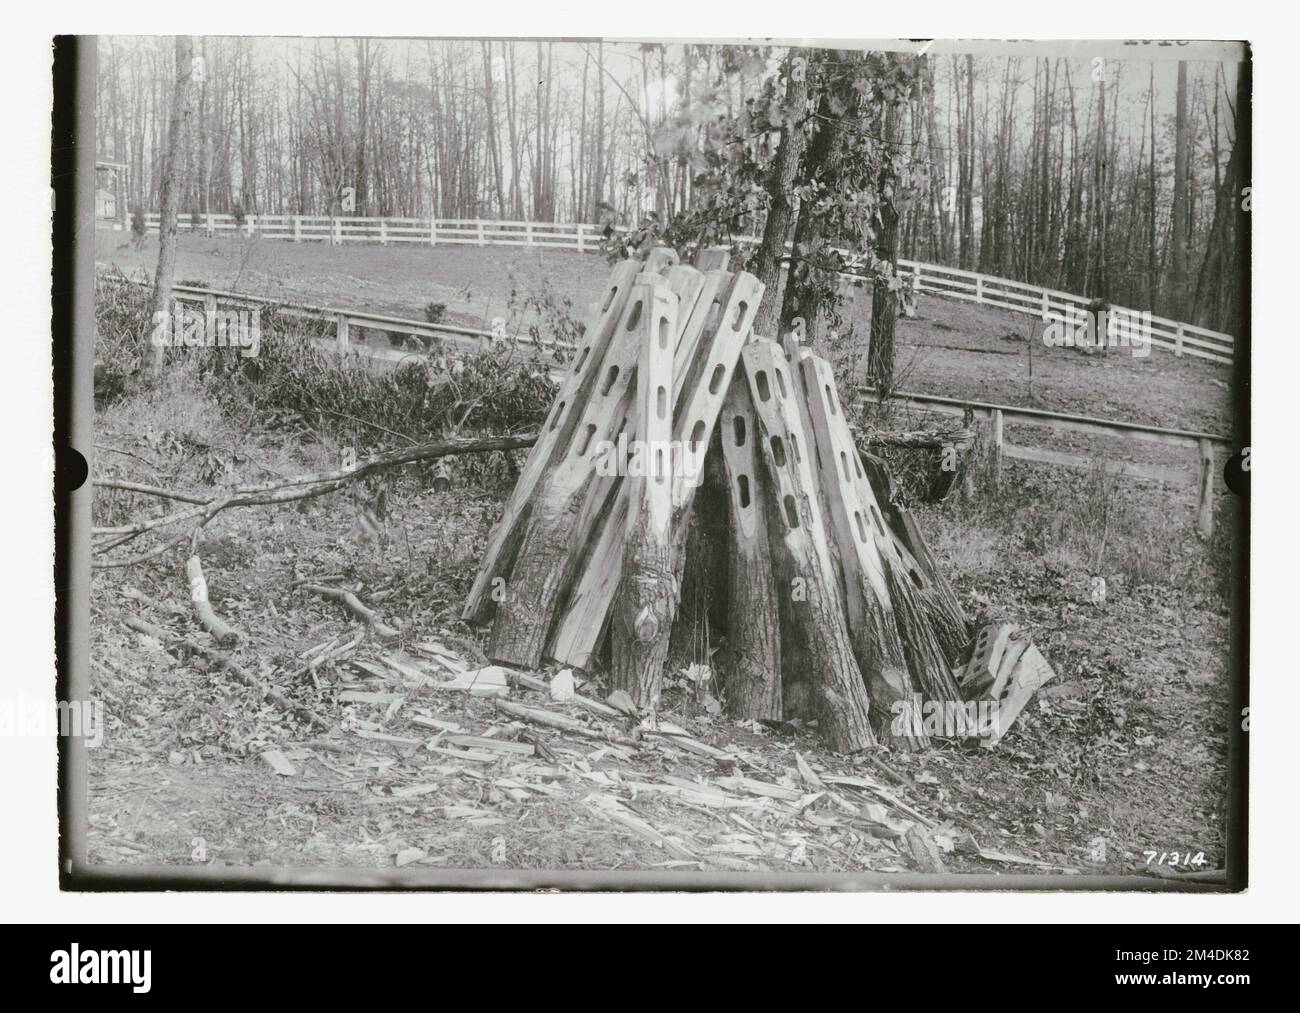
x: 614, y: 811
x: 280, y: 763
x: 361, y: 696
x: 491, y: 745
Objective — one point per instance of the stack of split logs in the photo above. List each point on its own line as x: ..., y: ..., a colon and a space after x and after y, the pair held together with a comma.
x: 697, y: 484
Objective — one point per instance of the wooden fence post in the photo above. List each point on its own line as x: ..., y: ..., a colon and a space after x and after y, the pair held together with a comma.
x: 250, y: 225
x: 1046, y: 307
x: 581, y: 247
x: 1205, y: 492
x: 383, y: 232
x: 341, y: 325
x: 979, y: 288
x: 433, y: 231
x: 297, y: 228
x: 528, y: 231
x: 996, y: 416
x: 211, y: 229
x: 1178, y: 342
x: 482, y: 236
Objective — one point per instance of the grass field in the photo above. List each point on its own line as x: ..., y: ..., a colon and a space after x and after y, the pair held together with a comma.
x: 1125, y: 752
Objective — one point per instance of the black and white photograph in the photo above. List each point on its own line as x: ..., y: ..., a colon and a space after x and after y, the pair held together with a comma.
x: 661, y: 463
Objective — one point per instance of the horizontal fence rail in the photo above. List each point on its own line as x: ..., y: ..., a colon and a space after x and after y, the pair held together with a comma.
x: 1049, y: 305
x: 1205, y: 444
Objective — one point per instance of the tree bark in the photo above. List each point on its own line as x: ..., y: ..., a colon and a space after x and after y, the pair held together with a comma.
x: 884, y: 298
x: 766, y: 265
x: 168, y: 192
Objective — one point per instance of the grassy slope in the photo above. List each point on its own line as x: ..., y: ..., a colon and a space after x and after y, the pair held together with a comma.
x: 1128, y: 745
x: 952, y: 348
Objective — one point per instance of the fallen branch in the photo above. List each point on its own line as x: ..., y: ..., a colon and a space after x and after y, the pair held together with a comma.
x: 354, y: 605
x: 280, y: 491
x: 561, y: 722
x: 222, y: 632
x: 221, y: 660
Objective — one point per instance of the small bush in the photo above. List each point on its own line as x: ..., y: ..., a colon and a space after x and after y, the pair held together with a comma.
x: 122, y: 327
x: 430, y: 397
x: 434, y: 312
x: 238, y: 213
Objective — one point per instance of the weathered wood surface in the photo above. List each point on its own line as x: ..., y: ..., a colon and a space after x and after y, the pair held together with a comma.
x: 644, y: 601
x: 554, y: 439
x: 549, y: 548
x: 947, y: 616
x: 692, y: 430
x: 752, y: 661
x: 823, y: 646
x: 580, y: 627
x: 864, y: 544
x: 582, y: 617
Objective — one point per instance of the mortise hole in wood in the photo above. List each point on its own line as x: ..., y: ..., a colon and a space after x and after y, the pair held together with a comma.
x: 738, y: 317
x: 778, y: 451
x: 610, y: 377
x: 715, y: 314
x: 582, y: 359
x: 857, y: 466
x: 780, y: 383
x: 586, y: 439
x: 609, y: 299
x: 742, y: 487
x: 764, y: 391
x: 830, y: 399
x: 715, y: 381
x: 663, y: 332
x: 662, y: 407
x: 697, y: 435
x: 659, y: 465
x: 634, y: 317
x: 738, y: 427
x: 875, y: 516
x: 844, y: 464
x: 559, y: 414
x: 794, y: 447
x: 791, y: 511
x: 862, y: 528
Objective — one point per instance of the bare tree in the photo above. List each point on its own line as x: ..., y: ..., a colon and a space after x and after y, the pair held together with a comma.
x: 168, y: 189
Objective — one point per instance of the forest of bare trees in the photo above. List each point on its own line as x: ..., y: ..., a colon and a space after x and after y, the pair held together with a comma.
x: 1118, y: 179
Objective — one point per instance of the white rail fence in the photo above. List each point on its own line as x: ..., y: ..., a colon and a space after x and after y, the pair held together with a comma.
x: 1019, y: 297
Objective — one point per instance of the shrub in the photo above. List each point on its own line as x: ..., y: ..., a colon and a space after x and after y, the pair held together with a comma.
x: 122, y: 326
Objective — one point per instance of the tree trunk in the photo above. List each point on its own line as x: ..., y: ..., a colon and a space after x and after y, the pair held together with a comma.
x: 766, y: 265
x: 884, y: 297
x: 168, y: 191
x: 1182, y: 168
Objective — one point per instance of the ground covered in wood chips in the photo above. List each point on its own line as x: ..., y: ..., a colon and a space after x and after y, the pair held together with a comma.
x: 1123, y: 754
